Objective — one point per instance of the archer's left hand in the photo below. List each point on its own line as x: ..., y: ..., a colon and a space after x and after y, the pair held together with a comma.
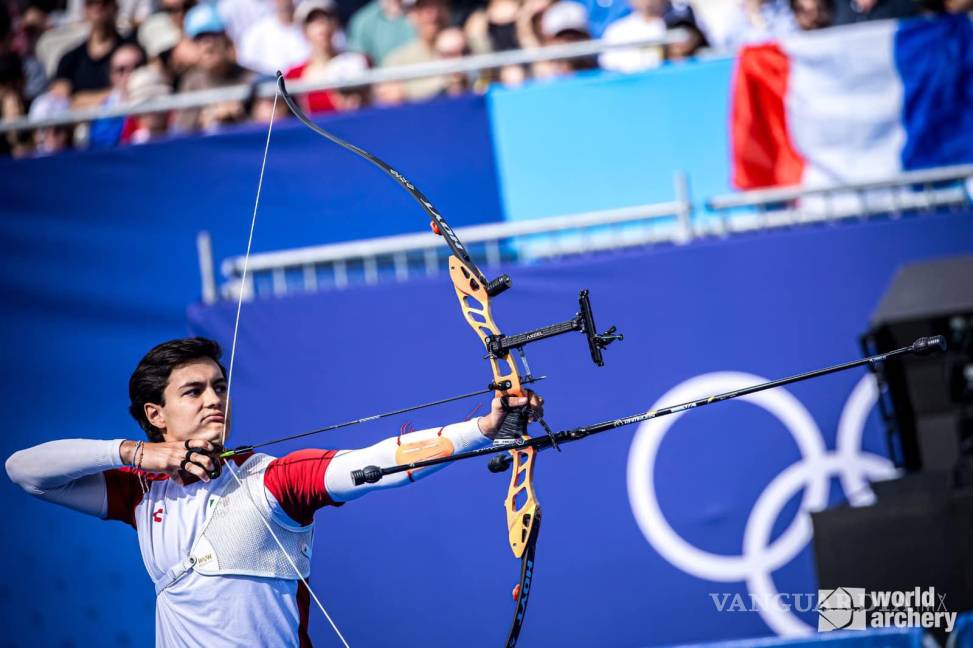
x: 491, y: 423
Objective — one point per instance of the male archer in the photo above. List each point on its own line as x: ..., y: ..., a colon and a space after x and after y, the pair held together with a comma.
x: 219, y: 573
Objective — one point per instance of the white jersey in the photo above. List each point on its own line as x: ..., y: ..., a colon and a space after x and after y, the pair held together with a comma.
x: 220, y: 610
x: 200, y: 609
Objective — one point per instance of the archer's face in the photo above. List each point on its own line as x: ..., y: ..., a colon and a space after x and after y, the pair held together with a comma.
x: 195, y: 403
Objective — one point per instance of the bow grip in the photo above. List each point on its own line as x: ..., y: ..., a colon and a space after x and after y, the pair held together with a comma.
x: 514, y: 424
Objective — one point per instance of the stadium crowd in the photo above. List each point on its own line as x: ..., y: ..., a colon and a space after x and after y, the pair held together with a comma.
x: 61, y: 55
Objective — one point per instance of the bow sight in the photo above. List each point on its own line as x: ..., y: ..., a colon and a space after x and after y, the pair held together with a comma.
x: 584, y: 321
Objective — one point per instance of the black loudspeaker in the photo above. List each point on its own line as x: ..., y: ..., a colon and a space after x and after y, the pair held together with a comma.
x: 927, y: 402
x: 905, y: 541
x: 919, y: 533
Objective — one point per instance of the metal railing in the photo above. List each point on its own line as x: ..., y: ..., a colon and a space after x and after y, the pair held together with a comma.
x: 398, y: 258
x: 267, y: 88
x: 340, y: 265
x: 909, y: 191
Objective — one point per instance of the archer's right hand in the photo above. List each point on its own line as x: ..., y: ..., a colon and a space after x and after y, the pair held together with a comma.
x: 179, y: 459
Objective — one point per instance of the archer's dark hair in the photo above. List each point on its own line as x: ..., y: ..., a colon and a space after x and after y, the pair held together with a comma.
x: 149, y: 380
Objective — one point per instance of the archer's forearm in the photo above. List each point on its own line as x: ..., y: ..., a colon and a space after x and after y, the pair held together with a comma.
x: 455, y: 438
x: 67, y: 472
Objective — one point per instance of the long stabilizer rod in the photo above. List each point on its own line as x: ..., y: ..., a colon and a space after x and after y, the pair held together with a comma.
x: 372, y: 474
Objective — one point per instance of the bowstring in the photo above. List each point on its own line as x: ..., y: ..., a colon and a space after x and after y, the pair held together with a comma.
x: 229, y: 380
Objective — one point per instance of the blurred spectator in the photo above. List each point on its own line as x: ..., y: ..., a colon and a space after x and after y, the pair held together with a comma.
x: 562, y: 23
x: 50, y: 139
x: 429, y: 17
x: 109, y: 132
x: 165, y: 43
x: 378, y: 28
x: 240, y: 15
x: 752, y: 21
x: 132, y: 13
x: 326, y: 64
x: 647, y: 20
x: 275, y: 42
x: 56, y: 41
x: 602, y: 13
x: 147, y: 84
x: 812, y: 14
x: 680, y: 15
x: 504, y: 25
x: 27, y: 32
x: 451, y: 44
x: 216, y: 69
x: 319, y: 18
x: 494, y: 27
x: 344, y: 67
x: 852, y: 11
x: 389, y: 93
x: 83, y: 72
x: 932, y: 7
x: 12, y: 103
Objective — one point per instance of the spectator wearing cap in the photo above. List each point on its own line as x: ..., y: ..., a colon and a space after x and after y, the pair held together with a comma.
x: 562, y: 23
x: 852, y: 11
x: 216, y: 69
x: 430, y: 18
x: 148, y: 84
x: 319, y: 19
x: 378, y: 28
x: 83, y: 73
x: 165, y: 43
x: 275, y: 42
x: 109, y: 132
x: 647, y: 21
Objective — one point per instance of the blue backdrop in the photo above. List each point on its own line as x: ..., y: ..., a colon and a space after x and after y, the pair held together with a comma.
x: 428, y: 564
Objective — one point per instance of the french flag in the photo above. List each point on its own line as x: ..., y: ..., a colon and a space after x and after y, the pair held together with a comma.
x: 854, y: 103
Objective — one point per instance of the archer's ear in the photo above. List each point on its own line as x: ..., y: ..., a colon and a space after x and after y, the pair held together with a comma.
x: 155, y: 416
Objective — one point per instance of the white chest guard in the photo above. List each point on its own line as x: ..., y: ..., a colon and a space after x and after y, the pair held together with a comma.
x: 235, y: 540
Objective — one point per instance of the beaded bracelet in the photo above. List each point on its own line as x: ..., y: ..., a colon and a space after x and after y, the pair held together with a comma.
x: 135, y: 454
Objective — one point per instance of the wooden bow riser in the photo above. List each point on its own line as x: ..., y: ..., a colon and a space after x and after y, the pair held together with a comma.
x: 521, y: 504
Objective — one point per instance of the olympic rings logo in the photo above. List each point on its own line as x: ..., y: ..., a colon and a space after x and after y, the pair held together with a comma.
x: 760, y: 557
